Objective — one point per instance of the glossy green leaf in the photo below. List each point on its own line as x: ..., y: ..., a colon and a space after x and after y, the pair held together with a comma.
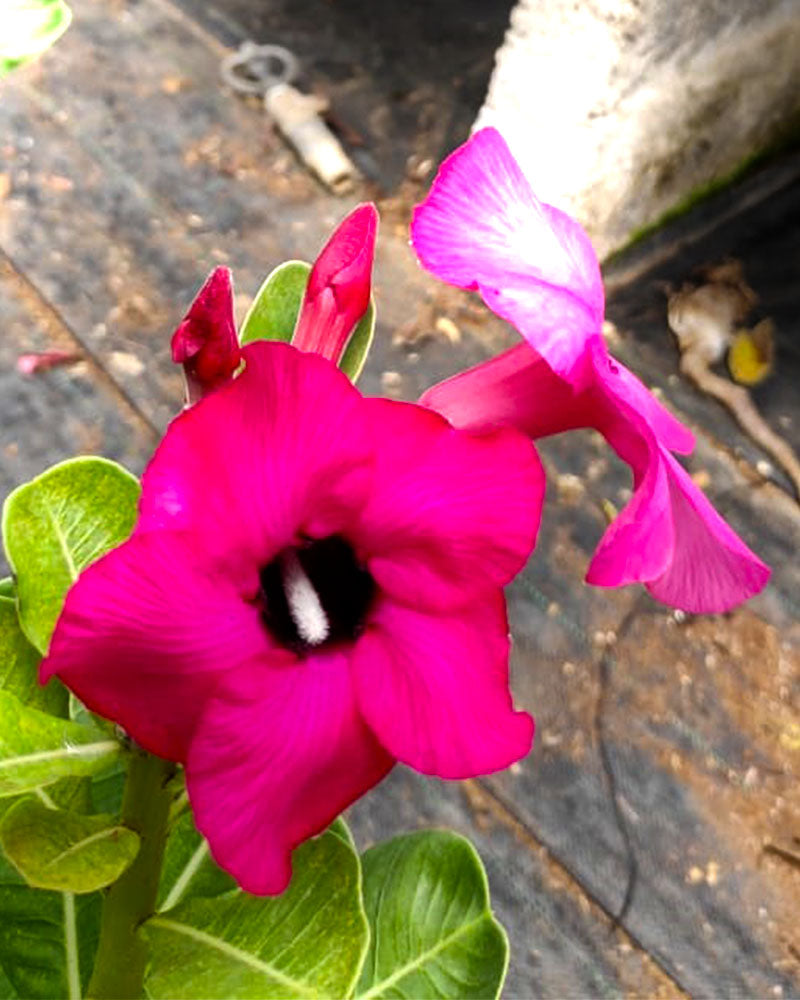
x: 56, y: 525
x: 19, y: 663
x: 28, y: 28
x: 57, y: 849
x: 37, y: 749
x: 47, y: 939
x: 273, y: 313
x: 432, y: 931
x: 308, y: 942
x: 7, y: 588
x: 355, y: 354
x: 189, y: 870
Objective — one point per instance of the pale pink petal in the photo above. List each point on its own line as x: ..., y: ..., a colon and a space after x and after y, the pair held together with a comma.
x: 451, y: 513
x: 435, y: 691
x: 277, y: 756
x: 281, y: 451
x: 146, y: 633
x: 482, y: 227
x: 711, y: 570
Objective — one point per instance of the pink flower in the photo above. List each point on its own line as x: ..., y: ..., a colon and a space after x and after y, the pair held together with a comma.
x: 338, y: 290
x: 482, y: 227
x: 312, y: 592
x: 206, y: 343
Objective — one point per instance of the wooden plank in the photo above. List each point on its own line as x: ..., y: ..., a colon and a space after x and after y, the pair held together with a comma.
x: 61, y: 413
x: 119, y: 224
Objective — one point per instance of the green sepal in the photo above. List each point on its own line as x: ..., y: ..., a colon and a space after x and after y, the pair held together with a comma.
x: 355, y: 354
x: 55, y: 526
x: 65, y: 851
x: 274, y: 311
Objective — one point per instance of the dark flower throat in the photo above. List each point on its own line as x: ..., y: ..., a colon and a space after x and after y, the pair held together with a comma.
x: 316, y: 595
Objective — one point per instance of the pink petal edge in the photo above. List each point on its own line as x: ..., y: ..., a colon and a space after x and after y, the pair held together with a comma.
x: 278, y: 755
x: 434, y: 689
x: 482, y: 227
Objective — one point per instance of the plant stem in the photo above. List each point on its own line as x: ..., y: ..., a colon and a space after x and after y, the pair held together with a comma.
x: 121, y: 954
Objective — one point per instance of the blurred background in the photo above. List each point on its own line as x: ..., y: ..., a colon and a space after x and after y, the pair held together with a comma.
x: 650, y: 844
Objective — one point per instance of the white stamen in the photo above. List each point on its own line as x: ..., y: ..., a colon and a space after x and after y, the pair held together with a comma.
x: 305, y: 606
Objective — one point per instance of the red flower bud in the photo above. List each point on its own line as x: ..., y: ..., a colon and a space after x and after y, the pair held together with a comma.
x: 206, y: 343
x: 339, y: 286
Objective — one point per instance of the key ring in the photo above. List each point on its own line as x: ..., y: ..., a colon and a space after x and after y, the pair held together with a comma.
x: 253, y: 69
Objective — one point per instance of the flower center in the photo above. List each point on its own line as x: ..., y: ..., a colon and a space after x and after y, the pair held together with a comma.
x: 316, y: 594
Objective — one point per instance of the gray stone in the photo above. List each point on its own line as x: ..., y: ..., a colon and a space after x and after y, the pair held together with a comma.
x: 621, y: 109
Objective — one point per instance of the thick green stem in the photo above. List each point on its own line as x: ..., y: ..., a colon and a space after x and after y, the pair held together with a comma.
x: 121, y: 955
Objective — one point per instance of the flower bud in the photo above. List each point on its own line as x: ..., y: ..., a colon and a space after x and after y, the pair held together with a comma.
x: 205, y: 343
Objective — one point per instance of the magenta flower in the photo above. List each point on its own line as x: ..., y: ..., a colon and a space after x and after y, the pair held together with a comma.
x: 338, y: 290
x: 312, y: 592
x: 482, y: 227
x: 206, y: 343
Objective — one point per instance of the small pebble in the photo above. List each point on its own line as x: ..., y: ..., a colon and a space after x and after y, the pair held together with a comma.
x: 764, y: 468
x: 447, y: 327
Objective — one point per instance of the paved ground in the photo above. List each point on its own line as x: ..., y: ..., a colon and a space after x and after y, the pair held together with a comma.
x: 668, y: 749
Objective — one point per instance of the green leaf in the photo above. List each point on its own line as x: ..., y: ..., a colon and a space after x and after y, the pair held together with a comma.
x: 56, y: 849
x: 29, y: 27
x: 7, y: 588
x: 355, y: 354
x: 37, y: 749
x: 340, y: 829
x: 56, y: 525
x: 19, y: 663
x: 309, y: 942
x: 274, y: 311
x: 189, y: 870
x: 47, y: 939
x: 432, y: 932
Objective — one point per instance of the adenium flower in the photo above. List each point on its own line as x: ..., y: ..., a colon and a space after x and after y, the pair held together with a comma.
x: 338, y: 290
x: 313, y: 591
x: 205, y: 342
x: 482, y: 227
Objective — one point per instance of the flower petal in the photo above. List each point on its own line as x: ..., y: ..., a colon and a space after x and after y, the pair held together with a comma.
x: 451, y: 513
x: 639, y: 544
x: 711, y: 570
x: 146, y: 633
x: 516, y: 388
x: 656, y: 538
x: 434, y: 689
x: 288, y: 450
x: 277, y: 756
x: 482, y: 227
